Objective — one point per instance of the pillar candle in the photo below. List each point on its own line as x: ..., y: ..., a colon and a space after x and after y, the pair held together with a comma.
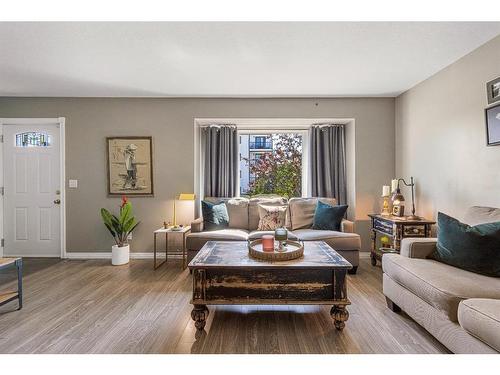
x: 394, y: 185
x: 268, y: 242
x: 385, y: 191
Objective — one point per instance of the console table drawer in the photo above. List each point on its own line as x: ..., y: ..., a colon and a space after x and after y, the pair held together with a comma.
x: 414, y: 231
x: 383, y: 226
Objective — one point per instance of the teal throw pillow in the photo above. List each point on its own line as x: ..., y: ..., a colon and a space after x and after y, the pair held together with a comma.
x: 215, y: 216
x: 475, y: 249
x: 327, y: 217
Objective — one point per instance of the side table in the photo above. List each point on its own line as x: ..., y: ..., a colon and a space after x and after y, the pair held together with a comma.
x: 7, y: 296
x: 397, y: 228
x: 169, y: 231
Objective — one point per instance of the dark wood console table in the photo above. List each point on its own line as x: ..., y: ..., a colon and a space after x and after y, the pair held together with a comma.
x: 397, y: 228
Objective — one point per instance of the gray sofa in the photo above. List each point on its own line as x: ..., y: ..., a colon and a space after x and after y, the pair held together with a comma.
x: 244, y: 220
x: 460, y: 308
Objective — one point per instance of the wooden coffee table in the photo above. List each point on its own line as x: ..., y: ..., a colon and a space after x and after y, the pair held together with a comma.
x: 224, y: 274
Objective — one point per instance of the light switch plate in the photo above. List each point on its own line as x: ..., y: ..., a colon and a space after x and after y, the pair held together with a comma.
x: 73, y: 184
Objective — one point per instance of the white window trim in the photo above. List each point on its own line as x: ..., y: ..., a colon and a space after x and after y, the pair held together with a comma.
x: 260, y: 125
x: 62, y: 176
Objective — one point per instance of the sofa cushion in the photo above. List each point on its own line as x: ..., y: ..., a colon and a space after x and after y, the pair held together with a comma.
x: 195, y: 241
x: 301, y: 211
x: 253, y: 208
x: 215, y: 215
x: 327, y: 217
x: 337, y: 240
x: 481, y: 318
x: 237, y: 209
x: 480, y: 215
x: 440, y: 285
x: 472, y: 248
x: 256, y: 234
x: 271, y: 217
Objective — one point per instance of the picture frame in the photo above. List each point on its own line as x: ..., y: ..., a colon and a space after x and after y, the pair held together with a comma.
x: 130, y: 166
x: 492, y: 117
x: 493, y: 90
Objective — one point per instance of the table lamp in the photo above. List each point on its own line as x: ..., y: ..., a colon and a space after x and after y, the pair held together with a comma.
x: 182, y: 197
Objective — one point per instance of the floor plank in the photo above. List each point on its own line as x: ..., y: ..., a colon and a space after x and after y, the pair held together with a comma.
x: 90, y: 306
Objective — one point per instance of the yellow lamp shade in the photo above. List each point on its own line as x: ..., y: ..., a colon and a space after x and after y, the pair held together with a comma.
x: 186, y: 197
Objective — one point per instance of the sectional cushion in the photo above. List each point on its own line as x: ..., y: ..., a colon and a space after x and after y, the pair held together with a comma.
x: 336, y: 240
x: 253, y: 208
x: 271, y: 217
x: 481, y: 318
x: 476, y: 215
x: 472, y: 248
x: 215, y: 215
x: 237, y: 209
x: 195, y: 241
x: 440, y: 285
x: 301, y: 211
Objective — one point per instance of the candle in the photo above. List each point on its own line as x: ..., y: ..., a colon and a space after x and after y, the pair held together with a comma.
x: 268, y: 242
x: 385, y: 191
x: 394, y: 185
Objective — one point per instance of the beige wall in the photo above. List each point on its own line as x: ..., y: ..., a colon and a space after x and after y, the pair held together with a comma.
x: 170, y: 122
x: 441, y: 138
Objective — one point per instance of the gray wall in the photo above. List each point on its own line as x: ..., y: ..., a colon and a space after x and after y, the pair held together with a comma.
x: 441, y: 137
x: 170, y: 122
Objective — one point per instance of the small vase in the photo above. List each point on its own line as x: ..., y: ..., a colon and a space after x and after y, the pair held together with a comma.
x: 120, y: 255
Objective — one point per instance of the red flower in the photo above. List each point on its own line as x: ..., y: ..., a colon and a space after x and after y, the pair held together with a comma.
x: 124, y: 201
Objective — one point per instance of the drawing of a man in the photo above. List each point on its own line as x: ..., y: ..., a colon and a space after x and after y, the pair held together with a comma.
x: 130, y: 166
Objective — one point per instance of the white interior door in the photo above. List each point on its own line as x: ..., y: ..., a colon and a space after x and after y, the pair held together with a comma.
x: 32, y: 195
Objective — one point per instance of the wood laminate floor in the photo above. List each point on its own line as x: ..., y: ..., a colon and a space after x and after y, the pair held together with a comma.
x: 92, y: 307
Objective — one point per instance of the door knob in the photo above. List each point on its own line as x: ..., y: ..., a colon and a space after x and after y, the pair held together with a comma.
x: 57, y: 201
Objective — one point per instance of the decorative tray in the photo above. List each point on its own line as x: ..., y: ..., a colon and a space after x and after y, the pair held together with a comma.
x: 292, y: 250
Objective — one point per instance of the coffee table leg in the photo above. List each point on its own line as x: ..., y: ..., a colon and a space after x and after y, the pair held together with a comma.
x: 340, y: 315
x: 199, y: 315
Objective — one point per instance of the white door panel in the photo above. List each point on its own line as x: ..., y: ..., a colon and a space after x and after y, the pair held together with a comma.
x: 31, y: 180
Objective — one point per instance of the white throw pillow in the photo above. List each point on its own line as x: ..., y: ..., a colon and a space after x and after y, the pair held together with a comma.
x: 271, y: 217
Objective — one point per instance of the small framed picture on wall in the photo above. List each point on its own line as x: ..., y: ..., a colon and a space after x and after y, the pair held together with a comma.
x: 493, y: 90
x: 493, y: 125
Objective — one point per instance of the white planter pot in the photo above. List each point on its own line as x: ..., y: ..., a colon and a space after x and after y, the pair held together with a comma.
x: 120, y: 255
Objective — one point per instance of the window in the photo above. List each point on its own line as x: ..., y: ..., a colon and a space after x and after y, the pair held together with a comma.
x: 271, y: 164
x: 33, y: 139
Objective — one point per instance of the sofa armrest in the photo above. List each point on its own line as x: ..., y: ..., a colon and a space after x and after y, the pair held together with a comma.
x: 418, y: 247
x: 346, y: 226
x: 197, y: 225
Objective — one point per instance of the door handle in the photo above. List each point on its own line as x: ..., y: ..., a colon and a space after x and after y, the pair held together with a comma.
x: 57, y: 201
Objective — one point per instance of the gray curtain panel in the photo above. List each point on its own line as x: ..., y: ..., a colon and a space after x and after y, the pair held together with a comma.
x: 220, y: 160
x: 328, y: 167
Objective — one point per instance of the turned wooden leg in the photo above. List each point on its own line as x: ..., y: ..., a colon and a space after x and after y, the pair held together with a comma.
x: 199, y: 315
x: 391, y: 305
x: 340, y: 315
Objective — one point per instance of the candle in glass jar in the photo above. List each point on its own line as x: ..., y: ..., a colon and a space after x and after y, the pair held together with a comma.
x: 268, y: 242
x: 385, y: 191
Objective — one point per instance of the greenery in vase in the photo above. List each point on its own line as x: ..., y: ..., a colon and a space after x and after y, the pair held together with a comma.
x: 120, y: 227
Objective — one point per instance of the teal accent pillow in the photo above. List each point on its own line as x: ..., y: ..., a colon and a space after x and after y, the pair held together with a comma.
x: 327, y: 217
x: 215, y: 216
x: 475, y: 249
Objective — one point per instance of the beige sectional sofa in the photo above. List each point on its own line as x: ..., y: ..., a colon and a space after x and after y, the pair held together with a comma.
x: 244, y: 221
x: 460, y: 308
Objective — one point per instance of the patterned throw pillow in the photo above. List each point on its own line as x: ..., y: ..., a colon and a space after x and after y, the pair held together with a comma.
x: 271, y: 217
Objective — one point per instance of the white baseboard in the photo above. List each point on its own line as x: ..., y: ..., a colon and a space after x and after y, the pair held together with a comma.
x: 107, y: 255
x: 33, y: 256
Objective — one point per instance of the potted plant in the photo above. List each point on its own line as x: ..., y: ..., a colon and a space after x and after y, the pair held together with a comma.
x: 120, y: 228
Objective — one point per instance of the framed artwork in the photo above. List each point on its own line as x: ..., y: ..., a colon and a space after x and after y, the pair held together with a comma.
x: 493, y: 125
x: 493, y: 90
x: 130, y: 165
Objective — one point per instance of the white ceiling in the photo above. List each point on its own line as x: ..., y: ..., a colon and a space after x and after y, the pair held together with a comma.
x: 229, y: 59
